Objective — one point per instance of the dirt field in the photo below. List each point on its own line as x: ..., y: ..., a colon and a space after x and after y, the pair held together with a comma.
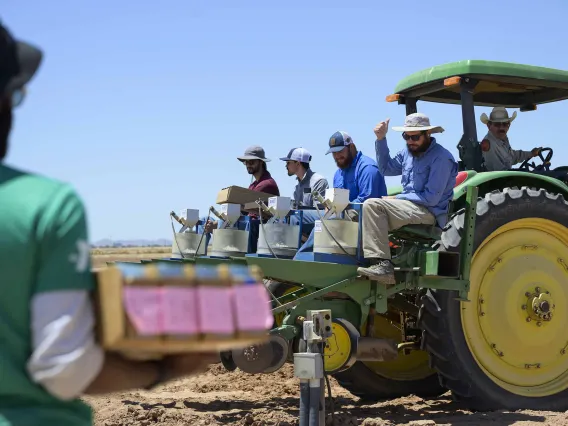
x: 218, y: 397
x: 101, y: 256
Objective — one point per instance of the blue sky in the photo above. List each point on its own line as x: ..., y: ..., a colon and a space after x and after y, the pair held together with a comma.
x: 144, y: 106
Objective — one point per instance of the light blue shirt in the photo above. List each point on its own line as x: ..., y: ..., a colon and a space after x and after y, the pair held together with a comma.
x: 428, y: 179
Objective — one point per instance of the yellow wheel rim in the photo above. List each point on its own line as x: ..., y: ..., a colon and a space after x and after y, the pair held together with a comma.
x: 336, y: 352
x: 411, y: 366
x: 515, y: 323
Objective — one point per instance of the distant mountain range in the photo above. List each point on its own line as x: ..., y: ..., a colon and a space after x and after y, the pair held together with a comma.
x: 132, y: 243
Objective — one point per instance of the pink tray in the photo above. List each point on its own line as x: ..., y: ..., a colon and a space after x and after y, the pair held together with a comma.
x: 189, y: 311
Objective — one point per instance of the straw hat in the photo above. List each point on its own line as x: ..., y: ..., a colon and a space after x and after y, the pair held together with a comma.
x: 498, y: 115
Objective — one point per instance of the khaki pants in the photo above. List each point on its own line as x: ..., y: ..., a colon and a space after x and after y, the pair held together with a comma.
x: 381, y: 215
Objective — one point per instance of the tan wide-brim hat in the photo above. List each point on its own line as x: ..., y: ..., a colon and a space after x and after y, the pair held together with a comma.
x: 418, y: 122
x: 498, y: 115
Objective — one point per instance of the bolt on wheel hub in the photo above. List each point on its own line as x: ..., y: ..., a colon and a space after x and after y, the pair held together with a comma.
x: 539, y: 306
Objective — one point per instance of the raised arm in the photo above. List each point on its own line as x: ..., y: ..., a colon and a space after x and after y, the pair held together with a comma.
x: 387, y: 166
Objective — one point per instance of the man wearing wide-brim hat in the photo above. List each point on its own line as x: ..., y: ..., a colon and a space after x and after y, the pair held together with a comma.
x: 255, y: 161
x: 497, y: 152
x: 428, y: 177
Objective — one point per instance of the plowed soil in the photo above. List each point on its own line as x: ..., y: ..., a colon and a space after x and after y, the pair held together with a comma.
x: 219, y: 397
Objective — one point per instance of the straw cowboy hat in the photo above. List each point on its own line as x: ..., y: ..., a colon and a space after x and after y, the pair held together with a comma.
x: 418, y: 122
x: 498, y: 115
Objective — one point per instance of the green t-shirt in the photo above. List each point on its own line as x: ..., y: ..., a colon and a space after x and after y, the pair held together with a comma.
x: 43, y: 247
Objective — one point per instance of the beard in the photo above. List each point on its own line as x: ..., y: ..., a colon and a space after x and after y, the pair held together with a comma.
x: 419, y: 150
x: 5, y: 127
x: 253, y: 169
x: 345, y: 163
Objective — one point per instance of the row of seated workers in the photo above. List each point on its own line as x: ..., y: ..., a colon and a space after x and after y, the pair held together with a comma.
x: 428, y: 175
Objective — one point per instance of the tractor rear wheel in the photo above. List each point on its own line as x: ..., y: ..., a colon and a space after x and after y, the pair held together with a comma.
x: 506, y: 348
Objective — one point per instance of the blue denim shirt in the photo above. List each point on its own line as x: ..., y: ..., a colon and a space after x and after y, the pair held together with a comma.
x: 362, y: 178
x: 427, y: 180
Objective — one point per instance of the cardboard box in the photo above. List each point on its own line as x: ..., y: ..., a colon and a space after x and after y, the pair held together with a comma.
x: 253, y: 208
x: 240, y: 195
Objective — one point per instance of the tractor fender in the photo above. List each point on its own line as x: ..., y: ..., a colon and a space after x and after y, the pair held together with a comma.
x: 490, y: 181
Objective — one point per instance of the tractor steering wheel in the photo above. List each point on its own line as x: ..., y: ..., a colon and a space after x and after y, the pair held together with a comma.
x: 545, y: 162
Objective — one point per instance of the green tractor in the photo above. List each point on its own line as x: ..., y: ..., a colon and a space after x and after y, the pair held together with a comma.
x: 505, y: 346
x: 480, y: 307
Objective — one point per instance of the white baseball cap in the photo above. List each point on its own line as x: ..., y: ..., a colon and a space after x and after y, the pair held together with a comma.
x: 298, y: 154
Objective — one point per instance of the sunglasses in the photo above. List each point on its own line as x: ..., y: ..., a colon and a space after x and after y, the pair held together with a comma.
x: 500, y: 124
x: 415, y: 138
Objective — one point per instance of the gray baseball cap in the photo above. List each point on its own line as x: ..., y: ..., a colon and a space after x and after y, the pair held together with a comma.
x: 338, y: 141
x: 298, y: 154
x: 254, y: 152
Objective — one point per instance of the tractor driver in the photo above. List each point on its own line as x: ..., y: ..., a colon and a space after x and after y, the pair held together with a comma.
x: 355, y: 172
x: 428, y: 177
x: 497, y: 152
x: 49, y: 356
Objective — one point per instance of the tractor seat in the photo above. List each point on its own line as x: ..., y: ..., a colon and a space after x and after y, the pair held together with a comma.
x: 427, y: 232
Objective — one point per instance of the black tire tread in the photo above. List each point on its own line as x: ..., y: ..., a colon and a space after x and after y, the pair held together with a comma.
x: 364, y: 383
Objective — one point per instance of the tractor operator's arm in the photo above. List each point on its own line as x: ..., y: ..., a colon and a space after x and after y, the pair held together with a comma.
x: 440, y: 171
x: 519, y: 155
x: 387, y: 166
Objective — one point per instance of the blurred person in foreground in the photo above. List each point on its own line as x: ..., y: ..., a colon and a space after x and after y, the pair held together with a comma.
x: 49, y: 356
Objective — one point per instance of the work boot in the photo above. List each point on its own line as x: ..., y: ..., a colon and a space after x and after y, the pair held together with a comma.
x: 381, y: 270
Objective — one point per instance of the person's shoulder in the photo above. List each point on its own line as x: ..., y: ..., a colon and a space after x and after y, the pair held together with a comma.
x: 318, y: 176
x: 366, y: 161
x: 32, y: 183
x: 443, y: 153
x: 34, y: 188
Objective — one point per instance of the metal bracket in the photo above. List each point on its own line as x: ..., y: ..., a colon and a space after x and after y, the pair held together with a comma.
x: 469, y: 235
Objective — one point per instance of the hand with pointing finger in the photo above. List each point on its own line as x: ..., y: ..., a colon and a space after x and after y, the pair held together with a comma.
x: 381, y: 129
